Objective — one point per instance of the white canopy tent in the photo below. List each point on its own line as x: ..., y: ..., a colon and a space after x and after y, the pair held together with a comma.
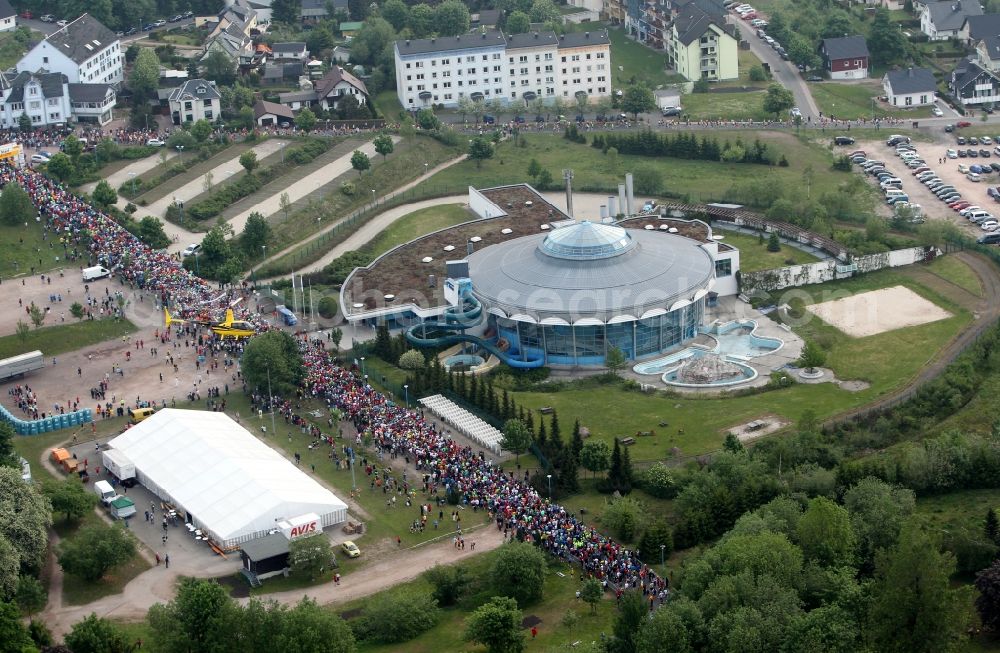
x: 231, y: 485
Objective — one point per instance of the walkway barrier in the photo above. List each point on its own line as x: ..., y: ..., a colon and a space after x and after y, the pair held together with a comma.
x: 47, y: 424
x: 464, y: 421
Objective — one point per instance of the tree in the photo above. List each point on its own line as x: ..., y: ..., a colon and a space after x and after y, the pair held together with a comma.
x: 97, y: 635
x: 275, y: 353
x: 885, y: 40
x: 24, y: 123
x: 360, y: 162
x: 412, y: 360
x: 632, y: 612
x: 518, y: 23
x: 201, y: 130
x: 398, y: 616
x: 15, y: 205
x: 219, y: 68
x: 60, y: 166
x: 615, y: 360
x: 778, y: 100
x: 427, y: 120
x: 145, y: 75
x: 10, y: 568
x: 421, y: 20
x: 913, y: 607
x: 451, y: 18
x: 497, y: 626
x: 480, y: 149
x: 104, y: 195
x: 637, y: 99
x: 624, y: 516
x: 519, y: 572
x: 31, y: 596
x: 95, y: 549
x: 314, y: 629
x: 287, y: 11
x: 825, y: 534
x: 534, y: 168
x: 812, y: 356
x: 335, y: 337
x: 595, y: 456
x: 396, y: 12
x: 544, y: 11
x: 877, y: 510
x: 70, y: 498
x: 249, y: 161
x: 256, y: 233
x: 150, y: 231
x: 14, y: 636
x: 202, y: 617
x: 36, y: 315
x: 383, y: 145
x: 665, y: 631
x: 988, y: 601
x: 773, y: 242
x: 25, y: 517
x: 306, y: 120
x: 516, y: 438
x: 656, y: 535
x: 22, y: 330
x: 992, y: 527
x: 310, y: 556
x: 757, y: 74
x: 619, y: 472
x: 592, y: 592
x: 449, y: 582
x: 285, y: 204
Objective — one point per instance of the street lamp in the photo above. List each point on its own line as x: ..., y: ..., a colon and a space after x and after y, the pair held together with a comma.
x: 425, y: 168
x: 663, y: 552
x: 131, y: 176
x: 281, y: 146
x: 197, y: 267
x: 406, y: 393
x: 373, y: 198
x: 180, y: 153
x: 549, y: 476
x: 363, y: 367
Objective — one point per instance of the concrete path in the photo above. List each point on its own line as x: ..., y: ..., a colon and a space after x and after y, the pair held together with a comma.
x: 304, y: 186
x: 140, y: 166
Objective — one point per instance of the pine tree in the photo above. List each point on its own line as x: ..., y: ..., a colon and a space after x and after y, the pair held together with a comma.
x: 505, y: 412
x: 576, y: 443
x: 569, y: 467
x: 615, y: 468
x: 481, y: 396
x: 520, y: 414
x: 451, y: 381
x: 529, y: 421
x: 626, y: 476
x: 992, y: 527
x: 473, y: 389
x: 556, y: 448
x: 383, y: 346
x: 492, y: 403
x: 462, y: 385
x: 542, y: 439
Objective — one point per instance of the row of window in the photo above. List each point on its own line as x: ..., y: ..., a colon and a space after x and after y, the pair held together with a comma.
x: 521, y: 59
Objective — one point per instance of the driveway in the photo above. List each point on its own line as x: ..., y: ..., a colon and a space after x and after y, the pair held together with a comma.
x: 783, y: 72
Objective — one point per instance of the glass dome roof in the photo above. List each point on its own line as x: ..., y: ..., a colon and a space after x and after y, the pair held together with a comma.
x: 587, y: 241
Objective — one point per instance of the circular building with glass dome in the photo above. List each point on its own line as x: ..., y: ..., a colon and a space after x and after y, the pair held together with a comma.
x: 574, y: 291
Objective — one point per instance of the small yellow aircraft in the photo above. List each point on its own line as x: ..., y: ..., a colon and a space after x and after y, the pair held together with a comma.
x: 227, y: 328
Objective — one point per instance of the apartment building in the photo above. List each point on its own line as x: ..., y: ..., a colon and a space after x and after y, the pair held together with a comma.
x: 84, y: 50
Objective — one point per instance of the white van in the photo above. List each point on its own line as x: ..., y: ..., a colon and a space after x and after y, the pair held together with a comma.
x: 105, y: 492
x: 893, y: 192
x: 977, y: 216
x: 95, y: 272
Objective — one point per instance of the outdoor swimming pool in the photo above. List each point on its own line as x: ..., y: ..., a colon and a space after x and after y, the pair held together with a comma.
x: 462, y: 362
x: 734, y: 342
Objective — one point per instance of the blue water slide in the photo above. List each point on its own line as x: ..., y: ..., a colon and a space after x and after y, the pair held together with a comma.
x: 444, y: 332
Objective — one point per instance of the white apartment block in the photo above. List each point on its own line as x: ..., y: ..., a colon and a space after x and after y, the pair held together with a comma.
x: 85, y: 51
x: 489, y: 65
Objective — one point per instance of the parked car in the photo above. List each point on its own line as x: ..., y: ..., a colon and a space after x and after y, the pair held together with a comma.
x: 176, y: 19
x: 962, y: 154
x: 795, y: 112
x: 843, y: 140
x: 962, y: 123
x: 952, y: 154
x: 47, y: 18
x: 973, y: 140
x: 949, y: 128
x: 671, y: 111
x: 26, y: 14
x: 984, y: 153
x: 814, y: 78
x: 995, y: 167
x: 937, y: 112
x: 972, y: 153
x: 350, y: 549
x: 191, y: 249
x: 960, y: 140
x: 155, y: 142
x: 160, y: 22
x: 38, y: 158
x: 973, y: 176
x: 62, y: 23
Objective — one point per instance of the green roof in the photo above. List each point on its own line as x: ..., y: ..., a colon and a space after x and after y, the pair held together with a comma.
x: 351, y: 26
x: 122, y: 502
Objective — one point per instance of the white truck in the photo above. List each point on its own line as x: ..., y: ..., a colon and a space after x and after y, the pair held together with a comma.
x: 95, y: 272
x: 105, y: 492
x: 118, y: 464
x: 21, y: 364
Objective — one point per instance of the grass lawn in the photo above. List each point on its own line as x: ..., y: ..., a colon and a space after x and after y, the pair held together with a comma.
x: 734, y: 106
x: 387, y: 104
x: 637, y: 62
x: 754, y: 255
x: 418, y: 224
x: 31, y: 251
x: 853, y: 100
x: 58, y: 339
x: 702, y: 180
x: 956, y: 271
x: 747, y: 60
x: 194, y: 169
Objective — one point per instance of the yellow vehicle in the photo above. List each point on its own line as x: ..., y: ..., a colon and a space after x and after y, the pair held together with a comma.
x: 136, y: 415
x: 351, y: 549
x: 227, y: 328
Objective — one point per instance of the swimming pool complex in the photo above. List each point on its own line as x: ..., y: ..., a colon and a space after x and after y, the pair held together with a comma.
x: 735, y: 343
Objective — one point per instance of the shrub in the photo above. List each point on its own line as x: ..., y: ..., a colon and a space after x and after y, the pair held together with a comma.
x: 397, y: 617
x: 328, y: 307
x: 519, y: 572
x: 757, y: 74
x: 449, y: 583
x: 659, y: 481
x: 349, y: 189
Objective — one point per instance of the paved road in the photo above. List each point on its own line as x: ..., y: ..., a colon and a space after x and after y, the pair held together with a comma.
x: 49, y: 28
x: 782, y: 71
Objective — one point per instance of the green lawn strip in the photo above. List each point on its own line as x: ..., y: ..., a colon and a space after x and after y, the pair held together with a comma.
x: 193, y: 170
x: 747, y: 60
x: 61, y: 338
x: 754, y: 255
x: 24, y: 248
x: 850, y: 101
x: 701, y: 180
x: 747, y: 105
x: 631, y: 60
x: 388, y: 106
x: 980, y: 414
x: 956, y: 271
x: 418, y: 223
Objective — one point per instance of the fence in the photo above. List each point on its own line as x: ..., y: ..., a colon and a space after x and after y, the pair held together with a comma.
x: 315, y: 249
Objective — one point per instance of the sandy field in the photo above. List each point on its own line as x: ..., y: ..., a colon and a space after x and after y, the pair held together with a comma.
x: 878, y: 311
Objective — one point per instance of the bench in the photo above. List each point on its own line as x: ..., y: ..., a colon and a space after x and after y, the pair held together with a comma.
x: 645, y: 434
x: 627, y: 442
x: 546, y: 410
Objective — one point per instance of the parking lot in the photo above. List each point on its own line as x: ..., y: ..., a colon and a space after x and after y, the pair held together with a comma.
x: 947, y: 169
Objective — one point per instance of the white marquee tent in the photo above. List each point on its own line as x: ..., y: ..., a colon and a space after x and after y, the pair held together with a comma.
x: 231, y: 485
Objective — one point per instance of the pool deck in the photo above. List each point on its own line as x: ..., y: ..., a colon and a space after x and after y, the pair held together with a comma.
x: 727, y: 310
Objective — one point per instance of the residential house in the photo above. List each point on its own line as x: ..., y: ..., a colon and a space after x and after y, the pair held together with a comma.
x: 944, y: 20
x: 349, y: 28
x: 314, y: 11
x: 977, y: 28
x: 195, y: 99
x: 341, y: 54
x: 296, y: 100
x: 987, y: 54
x: 913, y: 87
x: 239, y: 14
x: 893, y: 4
x: 845, y: 57
x: 84, y: 50
x: 532, y: 62
x: 291, y: 51
x: 233, y: 43
x: 49, y: 99
x: 487, y: 18
x: 8, y: 17
x: 92, y: 103
x: 973, y: 84
x: 336, y: 84
x: 270, y: 114
x: 281, y: 73
x: 702, y: 45
x: 585, y: 65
